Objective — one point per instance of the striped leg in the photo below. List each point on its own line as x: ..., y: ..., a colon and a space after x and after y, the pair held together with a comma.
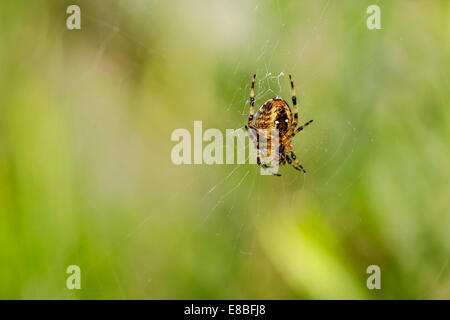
x: 268, y: 144
x: 272, y: 173
x: 302, y: 127
x: 256, y: 141
x: 294, y: 102
x: 258, y: 154
x: 296, y: 164
x: 252, y: 102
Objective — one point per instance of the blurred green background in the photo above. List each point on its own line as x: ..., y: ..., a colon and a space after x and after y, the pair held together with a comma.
x: 86, y: 176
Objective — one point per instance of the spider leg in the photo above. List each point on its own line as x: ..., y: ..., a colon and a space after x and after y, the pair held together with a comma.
x: 256, y: 141
x: 252, y: 101
x: 296, y: 164
x: 294, y: 103
x: 264, y: 166
x: 258, y: 157
x: 268, y: 144
x: 250, y: 126
x: 302, y: 127
x: 288, y: 160
x: 283, y: 159
x: 272, y: 166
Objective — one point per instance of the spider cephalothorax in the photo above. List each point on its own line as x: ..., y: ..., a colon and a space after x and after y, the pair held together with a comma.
x: 275, y: 114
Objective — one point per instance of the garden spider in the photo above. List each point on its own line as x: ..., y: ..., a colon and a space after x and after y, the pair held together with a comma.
x: 276, y: 114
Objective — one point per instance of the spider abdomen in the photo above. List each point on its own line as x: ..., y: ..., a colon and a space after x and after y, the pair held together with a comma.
x: 274, y: 114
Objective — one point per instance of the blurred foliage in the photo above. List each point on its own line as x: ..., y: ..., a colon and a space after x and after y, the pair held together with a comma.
x: 85, y: 170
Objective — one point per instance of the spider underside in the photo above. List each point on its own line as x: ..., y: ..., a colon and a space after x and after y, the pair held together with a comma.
x: 275, y: 114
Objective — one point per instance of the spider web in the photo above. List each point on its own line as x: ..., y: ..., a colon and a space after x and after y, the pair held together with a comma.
x: 270, y: 82
x: 221, y: 197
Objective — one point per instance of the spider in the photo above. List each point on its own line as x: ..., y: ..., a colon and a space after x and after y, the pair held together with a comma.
x: 276, y: 114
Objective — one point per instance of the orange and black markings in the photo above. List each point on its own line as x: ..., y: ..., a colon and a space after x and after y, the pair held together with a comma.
x: 275, y: 114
